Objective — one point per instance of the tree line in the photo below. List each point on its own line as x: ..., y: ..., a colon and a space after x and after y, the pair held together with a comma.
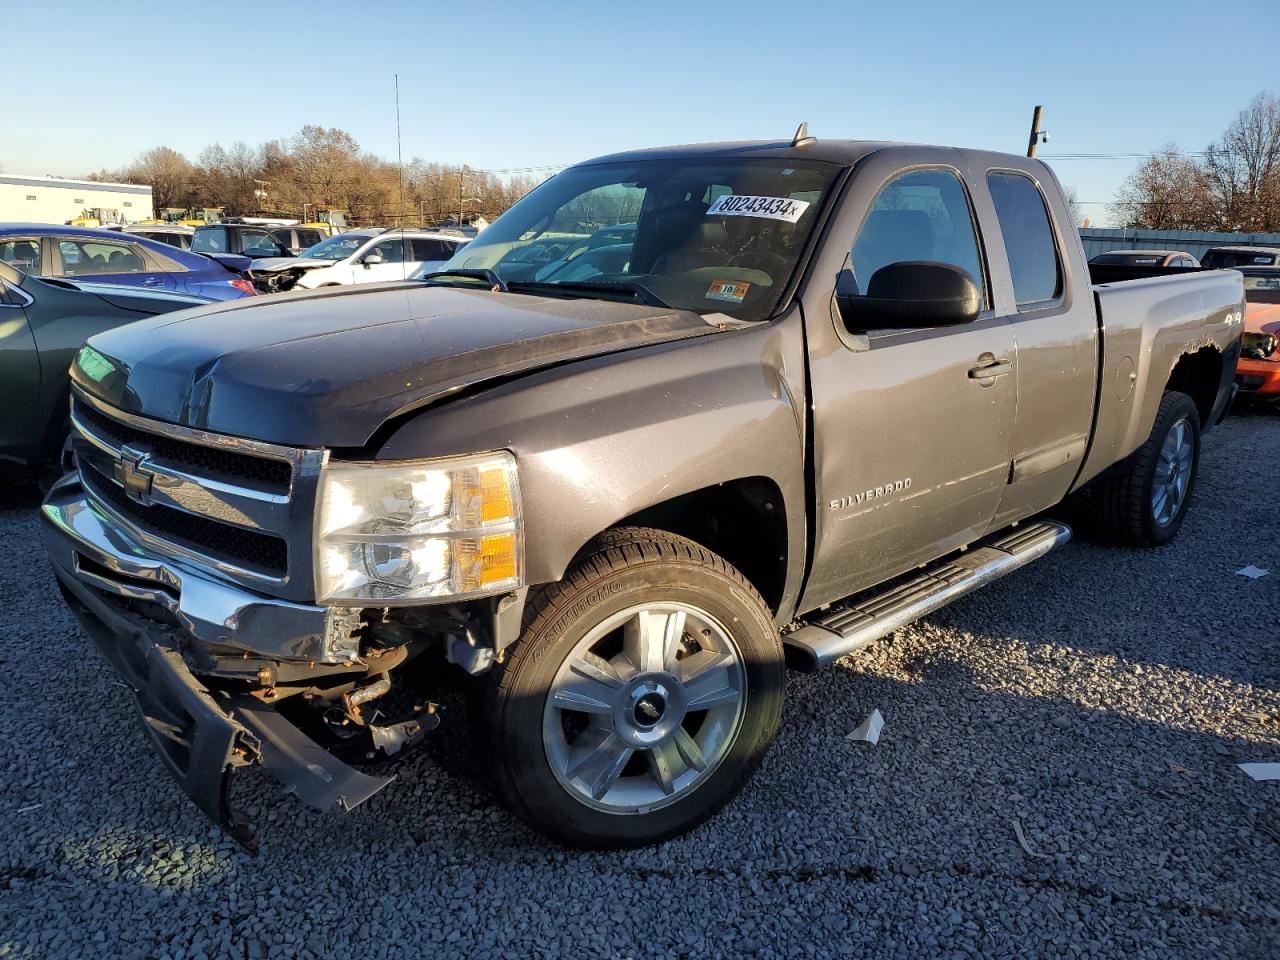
x: 1233, y: 186
x: 319, y: 168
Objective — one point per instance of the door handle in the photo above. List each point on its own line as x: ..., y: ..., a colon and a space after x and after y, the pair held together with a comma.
x: 989, y: 368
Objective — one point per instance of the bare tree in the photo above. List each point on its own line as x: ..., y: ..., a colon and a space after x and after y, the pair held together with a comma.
x: 1243, y: 168
x: 169, y: 174
x: 1168, y: 191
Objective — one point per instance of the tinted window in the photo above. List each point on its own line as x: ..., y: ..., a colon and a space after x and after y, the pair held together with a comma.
x: 308, y: 238
x: 425, y: 248
x: 22, y: 253
x: 1028, y: 238
x: 93, y: 257
x: 922, y: 215
x: 210, y: 240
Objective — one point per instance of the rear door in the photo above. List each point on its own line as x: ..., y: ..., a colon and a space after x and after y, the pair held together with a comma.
x: 912, y: 429
x: 109, y: 261
x: 1053, y: 320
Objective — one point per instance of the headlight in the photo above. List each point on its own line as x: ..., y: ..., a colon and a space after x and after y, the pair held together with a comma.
x: 418, y: 531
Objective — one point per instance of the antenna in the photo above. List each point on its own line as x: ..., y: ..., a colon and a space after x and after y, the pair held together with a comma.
x: 399, y: 157
x: 802, y: 138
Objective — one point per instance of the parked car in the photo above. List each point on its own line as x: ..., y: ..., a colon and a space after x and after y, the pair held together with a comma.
x: 1258, y: 372
x: 236, y: 245
x: 1231, y: 257
x: 45, y: 321
x: 174, y: 234
x: 85, y: 253
x: 810, y: 406
x: 357, y: 256
x: 1146, y: 258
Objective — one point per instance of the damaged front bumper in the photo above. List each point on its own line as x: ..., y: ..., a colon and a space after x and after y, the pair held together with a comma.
x: 201, y: 732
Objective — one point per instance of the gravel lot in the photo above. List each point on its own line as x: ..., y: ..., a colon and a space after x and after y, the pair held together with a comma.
x: 1099, y: 699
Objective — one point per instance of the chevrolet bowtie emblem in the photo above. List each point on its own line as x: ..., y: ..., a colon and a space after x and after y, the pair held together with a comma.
x: 132, y: 474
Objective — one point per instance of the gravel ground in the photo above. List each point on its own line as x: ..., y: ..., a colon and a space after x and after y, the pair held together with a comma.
x: 1098, y: 700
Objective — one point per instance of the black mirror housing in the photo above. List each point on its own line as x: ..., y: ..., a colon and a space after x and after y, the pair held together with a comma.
x: 913, y: 295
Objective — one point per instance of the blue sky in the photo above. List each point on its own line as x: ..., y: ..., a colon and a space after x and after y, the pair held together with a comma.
x: 504, y: 85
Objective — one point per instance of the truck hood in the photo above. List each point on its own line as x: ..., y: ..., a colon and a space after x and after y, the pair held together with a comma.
x: 328, y: 368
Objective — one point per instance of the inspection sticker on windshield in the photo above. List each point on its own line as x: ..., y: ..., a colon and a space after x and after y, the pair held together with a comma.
x: 735, y: 291
x: 770, y: 208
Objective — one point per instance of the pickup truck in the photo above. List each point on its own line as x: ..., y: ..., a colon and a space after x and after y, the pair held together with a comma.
x: 814, y: 391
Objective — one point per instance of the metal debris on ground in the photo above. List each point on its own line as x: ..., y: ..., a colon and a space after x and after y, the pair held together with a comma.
x: 869, y: 730
x: 1252, y: 572
x: 1261, y: 771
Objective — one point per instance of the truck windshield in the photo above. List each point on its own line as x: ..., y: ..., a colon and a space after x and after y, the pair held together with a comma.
x: 712, y: 236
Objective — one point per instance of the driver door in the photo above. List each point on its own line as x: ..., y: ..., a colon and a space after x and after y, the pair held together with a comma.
x: 912, y: 428
x: 391, y: 268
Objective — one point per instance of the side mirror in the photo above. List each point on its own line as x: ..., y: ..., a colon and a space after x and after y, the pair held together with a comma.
x: 911, y: 295
x: 371, y: 259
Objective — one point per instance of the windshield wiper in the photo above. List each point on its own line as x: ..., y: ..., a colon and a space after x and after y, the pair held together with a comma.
x: 488, y: 276
x: 635, y: 291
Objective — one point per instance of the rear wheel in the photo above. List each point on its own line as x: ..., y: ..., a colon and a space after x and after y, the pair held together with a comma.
x: 1144, y: 500
x: 641, y: 695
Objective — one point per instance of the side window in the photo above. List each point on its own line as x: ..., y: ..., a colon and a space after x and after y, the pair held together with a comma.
x: 922, y: 215
x: 426, y: 248
x: 258, y: 243
x: 391, y: 251
x: 92, y: 257
x: 1028, y: 238
x: 22, y: 253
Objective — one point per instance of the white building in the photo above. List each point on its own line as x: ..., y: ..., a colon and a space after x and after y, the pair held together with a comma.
x: 28, y: 199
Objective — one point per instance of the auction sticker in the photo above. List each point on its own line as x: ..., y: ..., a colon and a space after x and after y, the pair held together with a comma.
x: 734, y: 291
x: 770, y: 208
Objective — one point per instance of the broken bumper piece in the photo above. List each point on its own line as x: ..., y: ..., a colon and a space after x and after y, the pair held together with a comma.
x: 203, y: 735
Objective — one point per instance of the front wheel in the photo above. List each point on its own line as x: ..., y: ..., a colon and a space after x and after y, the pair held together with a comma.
x: 641, y: 695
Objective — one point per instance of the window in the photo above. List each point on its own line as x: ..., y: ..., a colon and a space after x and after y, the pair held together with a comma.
x: 31, y: 196
x: 258, y: 243
x: 128, y: 203
x: 210, y: 240
x: 21, y: 253
x: 78, y: 200
x: 922, y: 215
x: 1028, y: 238
x: 426, y: 248
x: 391, y: 251
x: 93, y: 257
x: 308, y: 238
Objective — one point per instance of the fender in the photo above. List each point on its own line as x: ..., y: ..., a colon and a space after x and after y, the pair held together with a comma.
x: 601, y: 439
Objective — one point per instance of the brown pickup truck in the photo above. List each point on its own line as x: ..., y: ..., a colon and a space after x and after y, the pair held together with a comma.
x: 678, y: 419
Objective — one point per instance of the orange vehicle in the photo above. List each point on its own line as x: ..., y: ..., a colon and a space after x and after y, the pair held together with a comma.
x: 1258, y: 371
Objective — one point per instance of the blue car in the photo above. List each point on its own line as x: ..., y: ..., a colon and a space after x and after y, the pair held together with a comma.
x: 80, y: 253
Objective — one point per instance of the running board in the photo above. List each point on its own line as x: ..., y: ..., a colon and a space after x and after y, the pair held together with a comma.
x: 834, y: 633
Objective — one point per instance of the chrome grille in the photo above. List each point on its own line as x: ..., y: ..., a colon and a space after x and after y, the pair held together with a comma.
x: 240, y: 508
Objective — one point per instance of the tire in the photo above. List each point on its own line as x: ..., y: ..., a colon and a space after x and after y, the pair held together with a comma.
x: 1126, y: 504
x: 57, y: 463
x: 622, y: 773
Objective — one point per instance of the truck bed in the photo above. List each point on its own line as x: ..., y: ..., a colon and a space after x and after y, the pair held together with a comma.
x: 1150, y: 319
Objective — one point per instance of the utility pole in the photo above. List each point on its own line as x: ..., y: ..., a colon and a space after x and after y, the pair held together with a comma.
x: 461, y: 184
x: 399, y: 157
x: 1036, y: 134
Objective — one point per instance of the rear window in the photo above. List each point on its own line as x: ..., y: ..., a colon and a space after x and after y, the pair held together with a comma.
x: 210, y: 240
x: 1220, y: 259
x: 426, y: 248
x: 1028, y: 238
x: 22, y: 253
